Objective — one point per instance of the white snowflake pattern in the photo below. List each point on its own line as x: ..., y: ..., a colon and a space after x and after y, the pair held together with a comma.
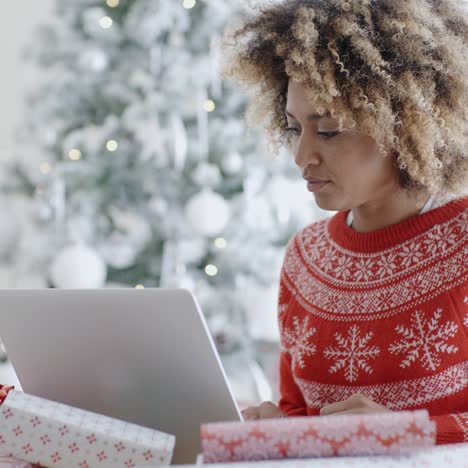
x: 411, y: 254
x: 363, y: 270
x: 386, y: 265
x: 327, y: 260
x: 297, y: 341
x: 425, y: 340
x: 352, y: 353
x: 434, y: 242
x: 343, y: 269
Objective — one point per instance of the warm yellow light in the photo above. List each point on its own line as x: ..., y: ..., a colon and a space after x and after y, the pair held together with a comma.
x: 189, y: 4
x: 113, y: 3
x: 211, y: 270
x: 106, y: 22
x: 45, y: 168
x: 210, y: 105
x: 139, y: 286
x: 74, y: 154
x: 112, y: 145
x: 220, y: 243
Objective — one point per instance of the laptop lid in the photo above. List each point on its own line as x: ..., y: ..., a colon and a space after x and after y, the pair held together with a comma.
x: 141, y: 355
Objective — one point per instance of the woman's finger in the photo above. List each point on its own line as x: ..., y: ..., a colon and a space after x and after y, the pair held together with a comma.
x: 250, y: 413
x: 335, y: 407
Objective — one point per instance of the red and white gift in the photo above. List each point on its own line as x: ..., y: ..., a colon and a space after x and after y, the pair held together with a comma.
x: 56, y: 435
x: 317, y: 436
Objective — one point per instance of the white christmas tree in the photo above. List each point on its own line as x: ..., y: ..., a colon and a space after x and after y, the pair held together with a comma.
x: 140, y: 168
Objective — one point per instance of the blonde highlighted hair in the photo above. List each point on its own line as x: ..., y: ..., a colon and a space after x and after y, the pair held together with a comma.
x: 392, y: 69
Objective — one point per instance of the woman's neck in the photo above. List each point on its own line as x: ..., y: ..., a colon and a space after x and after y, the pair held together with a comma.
x: 377, y: 214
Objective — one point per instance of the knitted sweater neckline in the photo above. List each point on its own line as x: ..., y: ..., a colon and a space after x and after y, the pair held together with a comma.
x: 394, y: 234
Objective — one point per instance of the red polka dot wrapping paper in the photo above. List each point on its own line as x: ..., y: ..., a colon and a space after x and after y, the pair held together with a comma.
x: 389, y: 433
x: 58, y: 436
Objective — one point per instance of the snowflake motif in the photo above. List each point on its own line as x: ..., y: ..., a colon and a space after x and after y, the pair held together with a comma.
x: 297, y: 341
x: 352, y: 353
x: 386, y: 265
x: 411, y: 254
x: 343, y: 269
x: 451, y: 236
x: 434, y: 242
x: 363, y: 270
x: 327, y: 260
x: 424, y: 340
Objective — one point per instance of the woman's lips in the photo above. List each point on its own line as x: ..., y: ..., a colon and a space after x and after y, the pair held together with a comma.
x: 316, y: 186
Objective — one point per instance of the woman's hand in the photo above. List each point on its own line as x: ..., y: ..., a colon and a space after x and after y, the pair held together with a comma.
x: 356, y: 403
x: 265, y: 411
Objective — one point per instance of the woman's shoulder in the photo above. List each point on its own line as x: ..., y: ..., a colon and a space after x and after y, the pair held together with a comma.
x: 311, y: 234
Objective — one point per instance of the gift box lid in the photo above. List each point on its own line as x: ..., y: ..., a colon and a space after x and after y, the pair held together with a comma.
x: 67, y: 415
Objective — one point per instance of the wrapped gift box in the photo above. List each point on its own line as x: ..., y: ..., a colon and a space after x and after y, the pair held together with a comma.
x: 56, y: 435
x: 317, y: 436
x: 452, y: 455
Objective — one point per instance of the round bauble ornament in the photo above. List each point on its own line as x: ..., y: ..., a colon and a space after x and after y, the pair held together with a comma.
x: 78, y: 266
x: 208, y: 212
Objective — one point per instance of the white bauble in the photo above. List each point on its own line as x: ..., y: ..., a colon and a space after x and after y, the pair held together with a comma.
x: 232, y: 163
x: 76, y: 267
x: 208, y: 212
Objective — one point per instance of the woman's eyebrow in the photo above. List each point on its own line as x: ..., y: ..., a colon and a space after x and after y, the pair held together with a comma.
x: 311, y: 116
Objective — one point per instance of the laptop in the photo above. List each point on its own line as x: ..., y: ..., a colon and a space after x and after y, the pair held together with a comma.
x: 140, y: 355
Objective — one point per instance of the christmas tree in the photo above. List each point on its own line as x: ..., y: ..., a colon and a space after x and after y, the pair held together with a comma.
x: 140, y: 169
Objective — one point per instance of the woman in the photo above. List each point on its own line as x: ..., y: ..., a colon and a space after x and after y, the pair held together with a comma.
x: 371, y: 98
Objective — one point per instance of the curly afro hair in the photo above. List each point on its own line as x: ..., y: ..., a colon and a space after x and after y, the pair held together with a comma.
x: 394, y: 70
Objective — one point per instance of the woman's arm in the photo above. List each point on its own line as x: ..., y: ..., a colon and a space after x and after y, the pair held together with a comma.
x: 291, y: 400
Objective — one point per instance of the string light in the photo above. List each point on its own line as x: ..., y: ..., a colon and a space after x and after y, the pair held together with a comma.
x: 113, y: 3
x: 74, y: 154
x: 45, y: 168
x: 211, y: 270
x: 210, y: 105
x: 106, y: 22
x: 112, y: 146
x: 188, y: 4
x: 139, y: 286
x: 220, y: 243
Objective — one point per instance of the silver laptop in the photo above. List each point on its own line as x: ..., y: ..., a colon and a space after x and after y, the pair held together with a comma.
x: 141, y: 355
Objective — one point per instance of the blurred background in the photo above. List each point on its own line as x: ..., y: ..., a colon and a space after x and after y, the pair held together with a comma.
x: 126, y: 162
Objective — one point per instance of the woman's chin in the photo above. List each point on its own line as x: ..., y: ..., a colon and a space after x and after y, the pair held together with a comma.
x: 330, y: 203
x: 325, y: 203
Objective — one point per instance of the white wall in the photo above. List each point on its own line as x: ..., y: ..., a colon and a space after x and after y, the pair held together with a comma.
x: 17, y: 21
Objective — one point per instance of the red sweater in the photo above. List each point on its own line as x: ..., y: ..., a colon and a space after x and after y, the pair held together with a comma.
x: 383, y: 313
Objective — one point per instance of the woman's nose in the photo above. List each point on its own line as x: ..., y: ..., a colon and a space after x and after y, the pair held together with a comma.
x: 306, y: 152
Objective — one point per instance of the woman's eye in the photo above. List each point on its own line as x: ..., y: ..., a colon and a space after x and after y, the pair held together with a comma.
x: 328, y: 134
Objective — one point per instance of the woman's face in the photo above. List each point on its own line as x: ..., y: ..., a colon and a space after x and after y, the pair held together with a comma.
x: 356, y: 172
